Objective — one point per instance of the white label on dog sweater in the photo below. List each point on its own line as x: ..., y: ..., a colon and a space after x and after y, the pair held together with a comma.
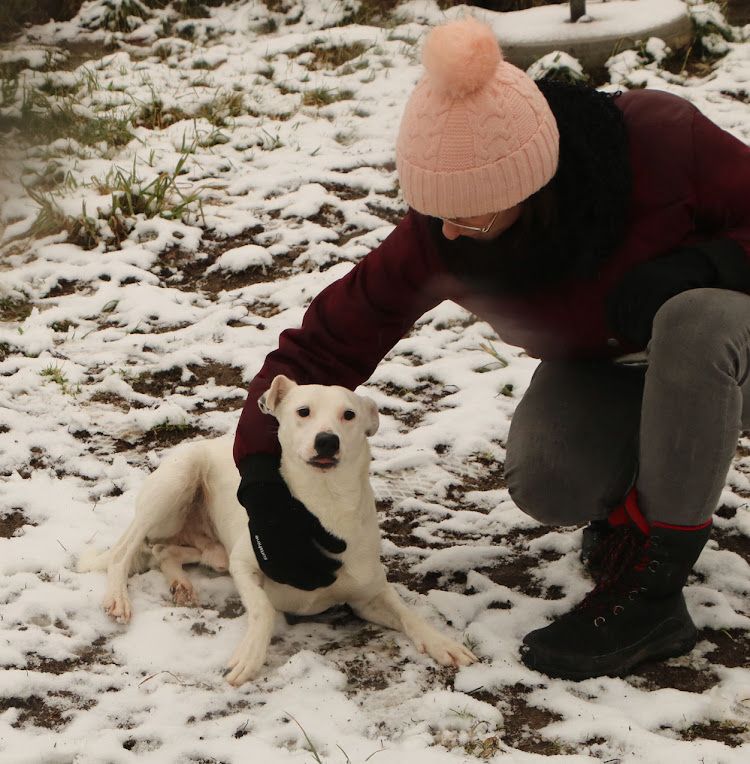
x: 260, y: 549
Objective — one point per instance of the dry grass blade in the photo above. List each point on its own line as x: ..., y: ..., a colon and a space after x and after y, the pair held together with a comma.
x: 310, y: 743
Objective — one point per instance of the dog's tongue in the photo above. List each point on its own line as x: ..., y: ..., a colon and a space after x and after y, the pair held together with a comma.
x: 323, y: 460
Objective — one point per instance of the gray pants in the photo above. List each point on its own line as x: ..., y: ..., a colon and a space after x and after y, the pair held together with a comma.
x: 586, y: 432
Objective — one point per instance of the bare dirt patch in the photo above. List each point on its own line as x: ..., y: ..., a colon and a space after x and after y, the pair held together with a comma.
x: 11, y: 521
x: 64, y: 287
x: 732, y: 646
x: 343, y: 192
x: 160, y: 384
x: 729, y: 733
x: 522, y: 721
x: 659, y: 675
x: 17, y: 13
x: 366, y: 673
x: 328, y: 216
x: 112, y: 399
x: 741, y: 95
x: 726, y: 512
x: 6, y: 350
x: 392, y: 215
x: 734, y: 541
x: 39, y: 459
x: 232, y: 608
x: 51, y: 712
x: 166, y: 436
x: 81, y: 51
x: 427, y: 393
x: 184, y: 270
x: 489, y: 475
x: 516, y: 572
x: 14, y: 309
x: 397, y: 526
x: 92, y: 655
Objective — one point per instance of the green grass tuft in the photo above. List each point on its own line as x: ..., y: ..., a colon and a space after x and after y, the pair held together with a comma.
x: 325, y: 96
x: 223, y: 107
x: 131, y: 197
x: 335, y: 56
x: 54, y: 373
x: 42, y: 119
x: 81, y: 229
x: 120, y: 16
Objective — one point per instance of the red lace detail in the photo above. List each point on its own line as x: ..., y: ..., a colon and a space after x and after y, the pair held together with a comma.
x: 635, y: 514
x: 624, y: 550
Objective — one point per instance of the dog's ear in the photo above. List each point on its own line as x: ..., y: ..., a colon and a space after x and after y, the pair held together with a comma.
x: 280, y: 386
x: 372, y: 417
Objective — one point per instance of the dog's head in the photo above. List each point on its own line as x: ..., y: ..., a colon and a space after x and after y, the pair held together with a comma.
x: 319, y: 424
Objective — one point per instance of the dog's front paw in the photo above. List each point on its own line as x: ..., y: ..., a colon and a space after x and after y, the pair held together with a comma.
x: 446, y: 651
x: 117, y: 606
x: 246, y: 661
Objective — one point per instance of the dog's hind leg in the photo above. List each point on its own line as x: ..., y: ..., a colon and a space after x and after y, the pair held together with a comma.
x: 121, y: 556
x: 163, y: 502
x: 171, y: 558
x: 215, y: 556
x: 388, y: 609
x: 251, y: 652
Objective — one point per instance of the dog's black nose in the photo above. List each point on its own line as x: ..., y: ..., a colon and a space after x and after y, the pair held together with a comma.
x: 326, y: 443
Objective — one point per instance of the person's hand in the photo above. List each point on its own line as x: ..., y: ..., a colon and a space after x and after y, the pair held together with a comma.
x: 289, y: 541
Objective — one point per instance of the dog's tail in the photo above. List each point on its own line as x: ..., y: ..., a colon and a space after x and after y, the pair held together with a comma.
x: 92, y: 559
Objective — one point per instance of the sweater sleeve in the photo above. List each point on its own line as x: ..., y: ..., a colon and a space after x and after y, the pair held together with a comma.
x: 722, y: 210
x: 722, y: 182
x: 349, y: 327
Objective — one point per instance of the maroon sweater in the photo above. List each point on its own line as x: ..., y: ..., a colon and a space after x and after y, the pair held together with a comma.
x: 684, y: 169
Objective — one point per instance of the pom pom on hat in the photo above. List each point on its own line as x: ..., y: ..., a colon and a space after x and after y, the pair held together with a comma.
x: 477, y: 134
x: 461, y: 57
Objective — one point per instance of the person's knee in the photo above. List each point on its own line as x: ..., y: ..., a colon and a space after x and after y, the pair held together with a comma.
x: 700, y: 325
x: 547, y: 489
x: 572, y: 441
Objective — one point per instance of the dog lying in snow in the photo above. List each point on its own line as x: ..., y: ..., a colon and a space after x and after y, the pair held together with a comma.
x: 187, y: 510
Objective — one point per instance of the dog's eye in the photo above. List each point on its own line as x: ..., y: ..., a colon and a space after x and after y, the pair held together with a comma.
x: 349, y: 414
x: 304, y: 411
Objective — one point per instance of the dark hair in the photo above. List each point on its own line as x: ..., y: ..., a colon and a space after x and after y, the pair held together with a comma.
x: 572, y: 224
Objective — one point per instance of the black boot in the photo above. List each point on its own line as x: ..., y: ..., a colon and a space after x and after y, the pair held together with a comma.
x: 594, y: 537
x: 635, y: 613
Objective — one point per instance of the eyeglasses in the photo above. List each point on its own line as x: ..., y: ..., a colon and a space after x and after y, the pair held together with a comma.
x: 478, y: 229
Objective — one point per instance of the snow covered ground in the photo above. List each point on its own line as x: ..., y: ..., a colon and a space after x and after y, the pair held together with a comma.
x: 196, y: 181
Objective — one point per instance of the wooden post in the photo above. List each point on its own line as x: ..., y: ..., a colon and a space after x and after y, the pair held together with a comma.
x: 577, y: 9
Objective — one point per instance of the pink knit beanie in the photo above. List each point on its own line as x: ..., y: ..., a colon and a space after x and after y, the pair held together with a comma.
x: 477, y: 135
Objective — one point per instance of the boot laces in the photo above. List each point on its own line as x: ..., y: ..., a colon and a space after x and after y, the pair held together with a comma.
x: 621, y: 553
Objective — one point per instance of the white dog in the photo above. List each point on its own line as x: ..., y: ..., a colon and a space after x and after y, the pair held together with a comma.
x: 188, y: 510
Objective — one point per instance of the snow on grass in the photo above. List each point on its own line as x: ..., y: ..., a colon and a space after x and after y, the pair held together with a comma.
x: 167, y: 207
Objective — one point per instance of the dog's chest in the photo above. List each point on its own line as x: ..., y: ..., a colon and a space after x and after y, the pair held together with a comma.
x: 359, y: 579
x: 287, y: 599
x: 348, y: 512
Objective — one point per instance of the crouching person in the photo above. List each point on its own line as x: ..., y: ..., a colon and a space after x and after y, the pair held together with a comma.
x: 585, y: 227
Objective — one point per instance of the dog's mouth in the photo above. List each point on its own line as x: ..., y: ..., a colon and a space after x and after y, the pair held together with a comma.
x: 323, y: 462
